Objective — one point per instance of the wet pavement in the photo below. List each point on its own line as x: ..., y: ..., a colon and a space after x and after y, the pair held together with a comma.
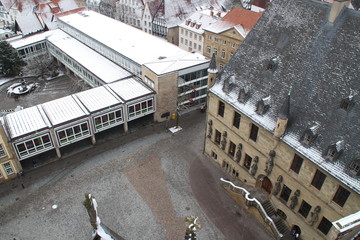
x: 145, y: 182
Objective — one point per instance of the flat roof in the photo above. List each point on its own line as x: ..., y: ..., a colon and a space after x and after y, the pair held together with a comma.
x: 25, y: 121
x: 63, y: 110
x: 94, y: 62
x: 22, y: 42
x: 98, y: 98
x: 176, y: 63
x: 129, y: 89
x: 124, y: 39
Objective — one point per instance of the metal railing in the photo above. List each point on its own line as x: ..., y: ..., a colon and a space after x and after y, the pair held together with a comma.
x: 252, y: 202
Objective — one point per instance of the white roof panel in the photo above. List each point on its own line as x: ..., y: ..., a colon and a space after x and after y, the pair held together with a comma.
x: 25, y: 121
x: 63, y: 110
x: 22, y: 42
x: 129, y: 89
x: 128, y: 41
x: 176, y: 63
x: 100, y: 66
x: 97, y: 98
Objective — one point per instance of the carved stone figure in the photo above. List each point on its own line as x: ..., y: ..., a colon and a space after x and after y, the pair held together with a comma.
x: 270, y: 162
x: 314, y: 216
x: 223, y: 141
x: 254, y: 167
x: 277, y: 185
x: 91, y: 207
x: 294, y: 199
x: 210, y: 129
x: 238, y: 153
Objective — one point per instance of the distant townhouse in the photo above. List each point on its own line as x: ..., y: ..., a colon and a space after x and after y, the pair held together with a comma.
x: 283, y: 120
x: 226, y: 35
x: 191, y: 31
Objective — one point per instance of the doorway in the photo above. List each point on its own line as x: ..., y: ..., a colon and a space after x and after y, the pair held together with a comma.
x: 266, y: 184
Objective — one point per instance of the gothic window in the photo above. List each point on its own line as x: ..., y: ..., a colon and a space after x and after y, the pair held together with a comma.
x: 325, y: 226
x: 236, y: 120
x: 247, y: 161
x: 232, y: 148
x: 341, y: 196
x: 254, y: 132
x: 304, y: 209
x: 217, y: 137
x: 221, y: 108
x: 285, y: 193
x: 296, y: 164
x: 318, y: 179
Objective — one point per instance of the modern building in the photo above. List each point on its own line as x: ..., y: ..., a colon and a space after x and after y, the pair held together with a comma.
x: 64, y: 121
x: 283, y: 118
x: 227, y: 34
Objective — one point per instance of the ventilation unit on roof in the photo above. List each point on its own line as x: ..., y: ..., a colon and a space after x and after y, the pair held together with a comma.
x: 273, y: 64
x: 347, y: 103
x: 161, y: 57
x: 244, y: 94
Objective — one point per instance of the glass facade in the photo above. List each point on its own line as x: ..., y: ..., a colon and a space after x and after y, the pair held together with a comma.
x: 33, y: 146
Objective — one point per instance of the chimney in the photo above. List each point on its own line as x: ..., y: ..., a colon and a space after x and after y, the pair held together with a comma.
x: 336, y: 8
x: 211, y: 13
x: 218, y: 14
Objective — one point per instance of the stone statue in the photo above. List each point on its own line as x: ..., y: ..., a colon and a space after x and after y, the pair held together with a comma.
x: 210, y: 129
x: 91, y: 207
x: 277, y: 185
x: 314, y: 216
x: 238, y: 153
x: 254, y: 167
x: 191, y: 227
x: 270, y: 162
x: 294, y: 199
x: 223, y: 142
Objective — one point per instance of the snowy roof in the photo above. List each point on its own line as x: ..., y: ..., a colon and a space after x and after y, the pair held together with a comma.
x: 29, y: 23
x: 94, y: 62
x: 22, y: 42
x: 129, y: 89
x: 202, y: 18
x: 236, y: 16
x: 296, y: 31
x: 63, y: 110
x: 26, y: 121
x: 177, y: 62
x: 128, y: 41
x: 96, y: 99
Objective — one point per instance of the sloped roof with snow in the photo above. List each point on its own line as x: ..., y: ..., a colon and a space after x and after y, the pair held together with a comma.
x: 124, y: 39
x: 319, y: 62
x: 94, y: 62
x: 130, y: 89
x: 29, y: 23
x: 237, y: 16
x: 98, y: 98
x: 25, y: 121
x: 64, y: 110
x: 202, y: 18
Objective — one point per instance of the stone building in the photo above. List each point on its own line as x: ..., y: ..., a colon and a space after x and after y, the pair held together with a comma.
x: 283, y: 118
x: 226, y: 35
x: 9, y: 165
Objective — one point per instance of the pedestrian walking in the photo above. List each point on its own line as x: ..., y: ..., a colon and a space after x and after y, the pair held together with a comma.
x: 34, y: 163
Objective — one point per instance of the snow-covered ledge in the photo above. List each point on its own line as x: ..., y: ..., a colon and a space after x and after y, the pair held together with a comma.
x: 254, y: 202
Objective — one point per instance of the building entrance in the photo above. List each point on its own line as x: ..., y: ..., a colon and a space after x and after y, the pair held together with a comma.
x: 266, y: 184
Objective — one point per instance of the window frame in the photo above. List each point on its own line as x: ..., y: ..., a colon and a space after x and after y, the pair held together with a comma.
x: 217, y: 138
x: 285, y: 193
x: 2, y: 152
x: 341, y: 196
x: 318, y: 179
x: 221, y: 108
x: 304, y: 209
x: 236, y: 120
x: 8, y: 166
x: 254, y: 132
x: 247, y: 161
x: 296, y: 163
x: 324, y: 226
x: 232, y: 149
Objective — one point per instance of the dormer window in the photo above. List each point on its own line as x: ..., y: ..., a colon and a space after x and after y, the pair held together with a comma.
x: 187, y: 22
x: 334, y: 151
x: 263, y: 105
x: 355, y: 167
x: 347, y: 103
x: 243, y: 95
x: 273, y: 64
x: 310, y: 134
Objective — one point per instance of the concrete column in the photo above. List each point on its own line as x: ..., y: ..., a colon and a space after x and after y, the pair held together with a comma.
x: 126, y: 128
x: 55, y: 142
